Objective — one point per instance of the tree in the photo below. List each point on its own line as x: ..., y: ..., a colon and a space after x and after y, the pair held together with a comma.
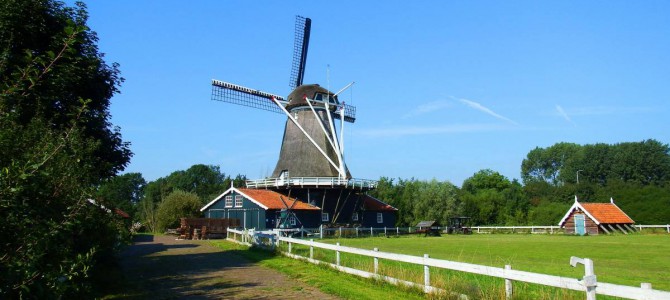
x: 178, y: 204
x: 56, y: 145
x: 123, y: 192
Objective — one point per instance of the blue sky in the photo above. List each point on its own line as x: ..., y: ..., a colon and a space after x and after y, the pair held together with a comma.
x: 443, y: 88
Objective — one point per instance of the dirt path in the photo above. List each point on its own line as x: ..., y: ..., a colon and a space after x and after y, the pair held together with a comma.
x: 165, y: 268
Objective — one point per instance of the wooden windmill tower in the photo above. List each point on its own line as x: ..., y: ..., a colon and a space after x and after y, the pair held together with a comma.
x: 311, y: 163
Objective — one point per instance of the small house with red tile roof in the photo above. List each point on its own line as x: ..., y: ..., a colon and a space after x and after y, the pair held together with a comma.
x: 596, y: 218
x: 265, y: 209
x: 261, y: 209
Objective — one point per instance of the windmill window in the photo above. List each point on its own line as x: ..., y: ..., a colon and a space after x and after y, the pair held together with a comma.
x: 380, y: 218
x: 238, y: 201
x: 292, y: 221
x: 324, y: 217
x: 354, y: 216
x: 229, y: 201
x: 318, y: 97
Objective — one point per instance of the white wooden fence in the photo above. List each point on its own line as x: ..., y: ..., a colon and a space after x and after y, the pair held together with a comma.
x: 388, y: 231
x: 588, y: 283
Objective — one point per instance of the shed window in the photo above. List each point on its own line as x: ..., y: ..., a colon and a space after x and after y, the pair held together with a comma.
x: 238, y: 201
x: 229, y: 201
x: 291, y: 220
x: 324, y: 217
x: 380, y: 218
x: 354, y: 216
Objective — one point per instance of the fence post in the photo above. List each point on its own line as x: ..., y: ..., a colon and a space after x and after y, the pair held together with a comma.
x: 376, y: 261
x: 385, y: 231
x: 397, y: 231
x: 509, y: 290
x: 337, y: 254
x: 340, y: 231
x: 321, y: 231
x: 290, y: 247
x: 668, y: 227
x: 356, y: 231
x: 426, y: 275
x: 371, y: 234
x: 589, y: 279
x: 311, y: 248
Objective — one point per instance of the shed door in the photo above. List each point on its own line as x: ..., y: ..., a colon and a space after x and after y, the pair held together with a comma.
x: 580, y: 227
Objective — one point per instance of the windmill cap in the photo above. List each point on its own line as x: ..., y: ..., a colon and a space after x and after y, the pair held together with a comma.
x: 297, y: 97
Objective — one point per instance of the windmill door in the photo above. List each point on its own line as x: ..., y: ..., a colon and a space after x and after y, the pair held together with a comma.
x: 580, y: 224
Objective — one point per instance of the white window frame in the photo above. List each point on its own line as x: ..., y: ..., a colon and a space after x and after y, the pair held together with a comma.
x: 325, y: 217
x: 380, y: 218
x: 354, y: 216
x: 228, y: 201
x: 292, y: 221
x: 238, y: 200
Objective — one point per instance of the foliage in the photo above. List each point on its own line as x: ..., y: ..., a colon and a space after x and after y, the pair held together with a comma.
x: 646, y: 163
x: 123, y: 192
x: 178, y: 204
x: 56, y: 145
x: 419, y: 200
x: 206, y: 181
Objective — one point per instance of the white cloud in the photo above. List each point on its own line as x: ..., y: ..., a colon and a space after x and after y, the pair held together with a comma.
x: 427, y: 108
x: 486, y: 110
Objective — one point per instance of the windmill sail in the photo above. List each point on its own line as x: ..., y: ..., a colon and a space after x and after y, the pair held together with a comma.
x: 302, y: 30
x: 237, y: 94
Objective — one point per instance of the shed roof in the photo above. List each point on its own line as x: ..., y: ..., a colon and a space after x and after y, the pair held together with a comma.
x: 374, y: 204
x: 266, y: 199
x: 600, y: 213
x: 426, y: 224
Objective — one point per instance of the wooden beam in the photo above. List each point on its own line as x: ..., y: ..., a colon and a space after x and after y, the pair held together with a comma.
x: 621, y: 228
x: 604, y: 229
x: 611, y: 228
x: 631, y: 228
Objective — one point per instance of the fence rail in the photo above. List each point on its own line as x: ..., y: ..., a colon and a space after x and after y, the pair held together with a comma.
x: 588, y: 283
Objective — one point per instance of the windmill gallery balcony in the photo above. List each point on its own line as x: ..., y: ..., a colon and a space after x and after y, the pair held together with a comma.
x: 312, y: 182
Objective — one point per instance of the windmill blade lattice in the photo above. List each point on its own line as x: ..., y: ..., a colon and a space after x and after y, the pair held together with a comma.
x: 237, y: 94
x: 302, y: 30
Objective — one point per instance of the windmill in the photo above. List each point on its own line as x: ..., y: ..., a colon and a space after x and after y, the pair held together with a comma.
x: 311, y: 159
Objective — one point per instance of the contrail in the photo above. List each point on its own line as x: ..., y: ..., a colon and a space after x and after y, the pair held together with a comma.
x: 486, y: 110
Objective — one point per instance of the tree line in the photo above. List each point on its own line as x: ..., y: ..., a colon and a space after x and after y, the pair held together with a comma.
x: 635, y: 174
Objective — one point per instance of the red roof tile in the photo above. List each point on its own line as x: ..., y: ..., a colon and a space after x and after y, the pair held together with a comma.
x: 371, y: 203
x: 271, y: 199
x: 121, y: 213
x: 607, y: 213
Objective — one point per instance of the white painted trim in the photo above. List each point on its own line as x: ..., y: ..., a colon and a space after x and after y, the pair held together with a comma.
x: 237, y: 191
x: 574, y: 206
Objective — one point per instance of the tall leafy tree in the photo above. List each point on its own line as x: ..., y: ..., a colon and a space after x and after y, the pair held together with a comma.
x: 56, y: 145
x: 123, y: 191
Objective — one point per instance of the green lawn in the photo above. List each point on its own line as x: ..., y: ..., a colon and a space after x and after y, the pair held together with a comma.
x: 324, y: 278
x: 620, y: 259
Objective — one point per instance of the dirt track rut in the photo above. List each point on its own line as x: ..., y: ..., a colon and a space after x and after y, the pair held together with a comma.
x: 165, y: 268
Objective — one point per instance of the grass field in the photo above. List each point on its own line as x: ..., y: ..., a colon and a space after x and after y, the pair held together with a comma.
x: 620, y: 259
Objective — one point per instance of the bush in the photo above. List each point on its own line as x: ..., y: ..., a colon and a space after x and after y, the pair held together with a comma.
x: 178, y: 204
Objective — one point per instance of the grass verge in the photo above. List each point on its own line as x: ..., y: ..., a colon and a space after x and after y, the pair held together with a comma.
x: 323, y: 277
